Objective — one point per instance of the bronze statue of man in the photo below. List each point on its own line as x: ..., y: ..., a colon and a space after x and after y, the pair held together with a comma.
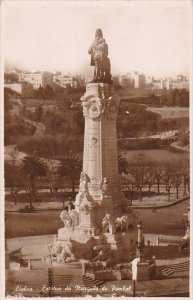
x: 99, y: 58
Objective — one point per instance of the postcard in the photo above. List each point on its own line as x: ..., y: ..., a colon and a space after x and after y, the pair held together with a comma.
x: 95, y: 149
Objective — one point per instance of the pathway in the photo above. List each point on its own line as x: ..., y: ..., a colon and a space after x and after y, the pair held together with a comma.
x: 176, y: 146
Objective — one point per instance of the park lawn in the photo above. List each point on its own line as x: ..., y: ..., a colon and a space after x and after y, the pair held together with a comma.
x: 29, y: 224
x: 38, y: 102
x: 170, y: 112
x: 156, y: 154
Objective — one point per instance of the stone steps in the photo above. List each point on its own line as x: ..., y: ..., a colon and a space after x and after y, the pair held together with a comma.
x: 89, y: 282
x: 171, y: 269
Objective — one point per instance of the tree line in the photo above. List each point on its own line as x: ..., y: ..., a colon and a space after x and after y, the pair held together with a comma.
x: 142, y: 172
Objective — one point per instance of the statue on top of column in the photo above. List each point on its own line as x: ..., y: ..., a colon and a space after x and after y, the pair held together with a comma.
x: 99, y: 59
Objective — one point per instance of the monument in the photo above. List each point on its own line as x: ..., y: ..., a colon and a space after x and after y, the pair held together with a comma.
x: 102, y: 216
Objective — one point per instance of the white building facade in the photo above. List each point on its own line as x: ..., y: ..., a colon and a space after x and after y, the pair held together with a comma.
x: 34, y: 78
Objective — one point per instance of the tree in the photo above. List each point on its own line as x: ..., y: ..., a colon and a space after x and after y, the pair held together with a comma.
x: 177, y: 97
x: 177, y: 178
x: 168, y: 173
x: 185, y: 175
x: 39, y: 113
x: 150, y: 176
x: 138, y: 169
x: 70, y: 166
x: 40, y: 92
x: 48, y: 92
x: 6, y: 101
x: 11, y: 77
x: 32, y: 167
x: 122, y: 164
x: 128, y: 183
x: 158, y: 172
x: 12, y: 180
x: 56, y: 182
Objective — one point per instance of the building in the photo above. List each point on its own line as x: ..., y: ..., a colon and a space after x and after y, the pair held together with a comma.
x: 123, y: 80
x: 138, y: 80
x: 181, y: 82
x: 34, y: 78
x: 179, y: 85
x: 65, y: 80
x: 149, y: 80
x: 158, y: 84
x: 126, y: 80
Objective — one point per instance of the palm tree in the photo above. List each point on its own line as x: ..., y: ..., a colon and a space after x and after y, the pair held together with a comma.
x: 70, y: 166
x: 123, y: 165
x: 31, y: 168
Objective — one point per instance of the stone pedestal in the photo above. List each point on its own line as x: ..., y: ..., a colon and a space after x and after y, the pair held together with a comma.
x: 103, y: 211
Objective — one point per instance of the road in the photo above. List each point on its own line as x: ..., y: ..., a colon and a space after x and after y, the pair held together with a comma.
x: 170, y: 221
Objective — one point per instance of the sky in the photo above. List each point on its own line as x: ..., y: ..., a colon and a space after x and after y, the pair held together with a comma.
x: 152, y: 37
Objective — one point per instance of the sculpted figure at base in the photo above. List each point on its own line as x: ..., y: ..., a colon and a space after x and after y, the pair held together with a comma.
x: 74, y: 217
x: 70, y: 219
x: 61, y: 254
x: 66, y: 219
x: 124, y: 222
x: 101, y: 253
x: 99, y: 58
x: 83, y: 189
x: 108, y: 224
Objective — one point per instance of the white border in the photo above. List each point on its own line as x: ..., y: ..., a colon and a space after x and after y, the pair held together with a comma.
x: 80, y: 3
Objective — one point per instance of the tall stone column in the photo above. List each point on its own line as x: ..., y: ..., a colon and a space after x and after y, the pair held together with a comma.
x: 100, y: 158
x: 100, y: 139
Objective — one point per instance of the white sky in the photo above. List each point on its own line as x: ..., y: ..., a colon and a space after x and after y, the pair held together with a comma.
x: 149, y: 36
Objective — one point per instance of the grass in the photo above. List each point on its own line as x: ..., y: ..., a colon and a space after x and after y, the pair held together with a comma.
x: 160, y: 221
x: 28, y: 224
x: 156, y: 154
x: 39, y: 102
x: 170, y: 112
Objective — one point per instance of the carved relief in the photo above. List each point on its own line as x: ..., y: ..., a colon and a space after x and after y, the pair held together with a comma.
x: 95, y: 111
x: 108, y: 224
x: 70, y: 219
x: 85, y: 208
x: 84, y: 202
x: 94, y: 107
x: 83, y: 186
x: 105, y: 187
x: 94, y: 140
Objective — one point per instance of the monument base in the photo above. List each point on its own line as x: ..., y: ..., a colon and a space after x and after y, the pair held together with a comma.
x: 120, y: 245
